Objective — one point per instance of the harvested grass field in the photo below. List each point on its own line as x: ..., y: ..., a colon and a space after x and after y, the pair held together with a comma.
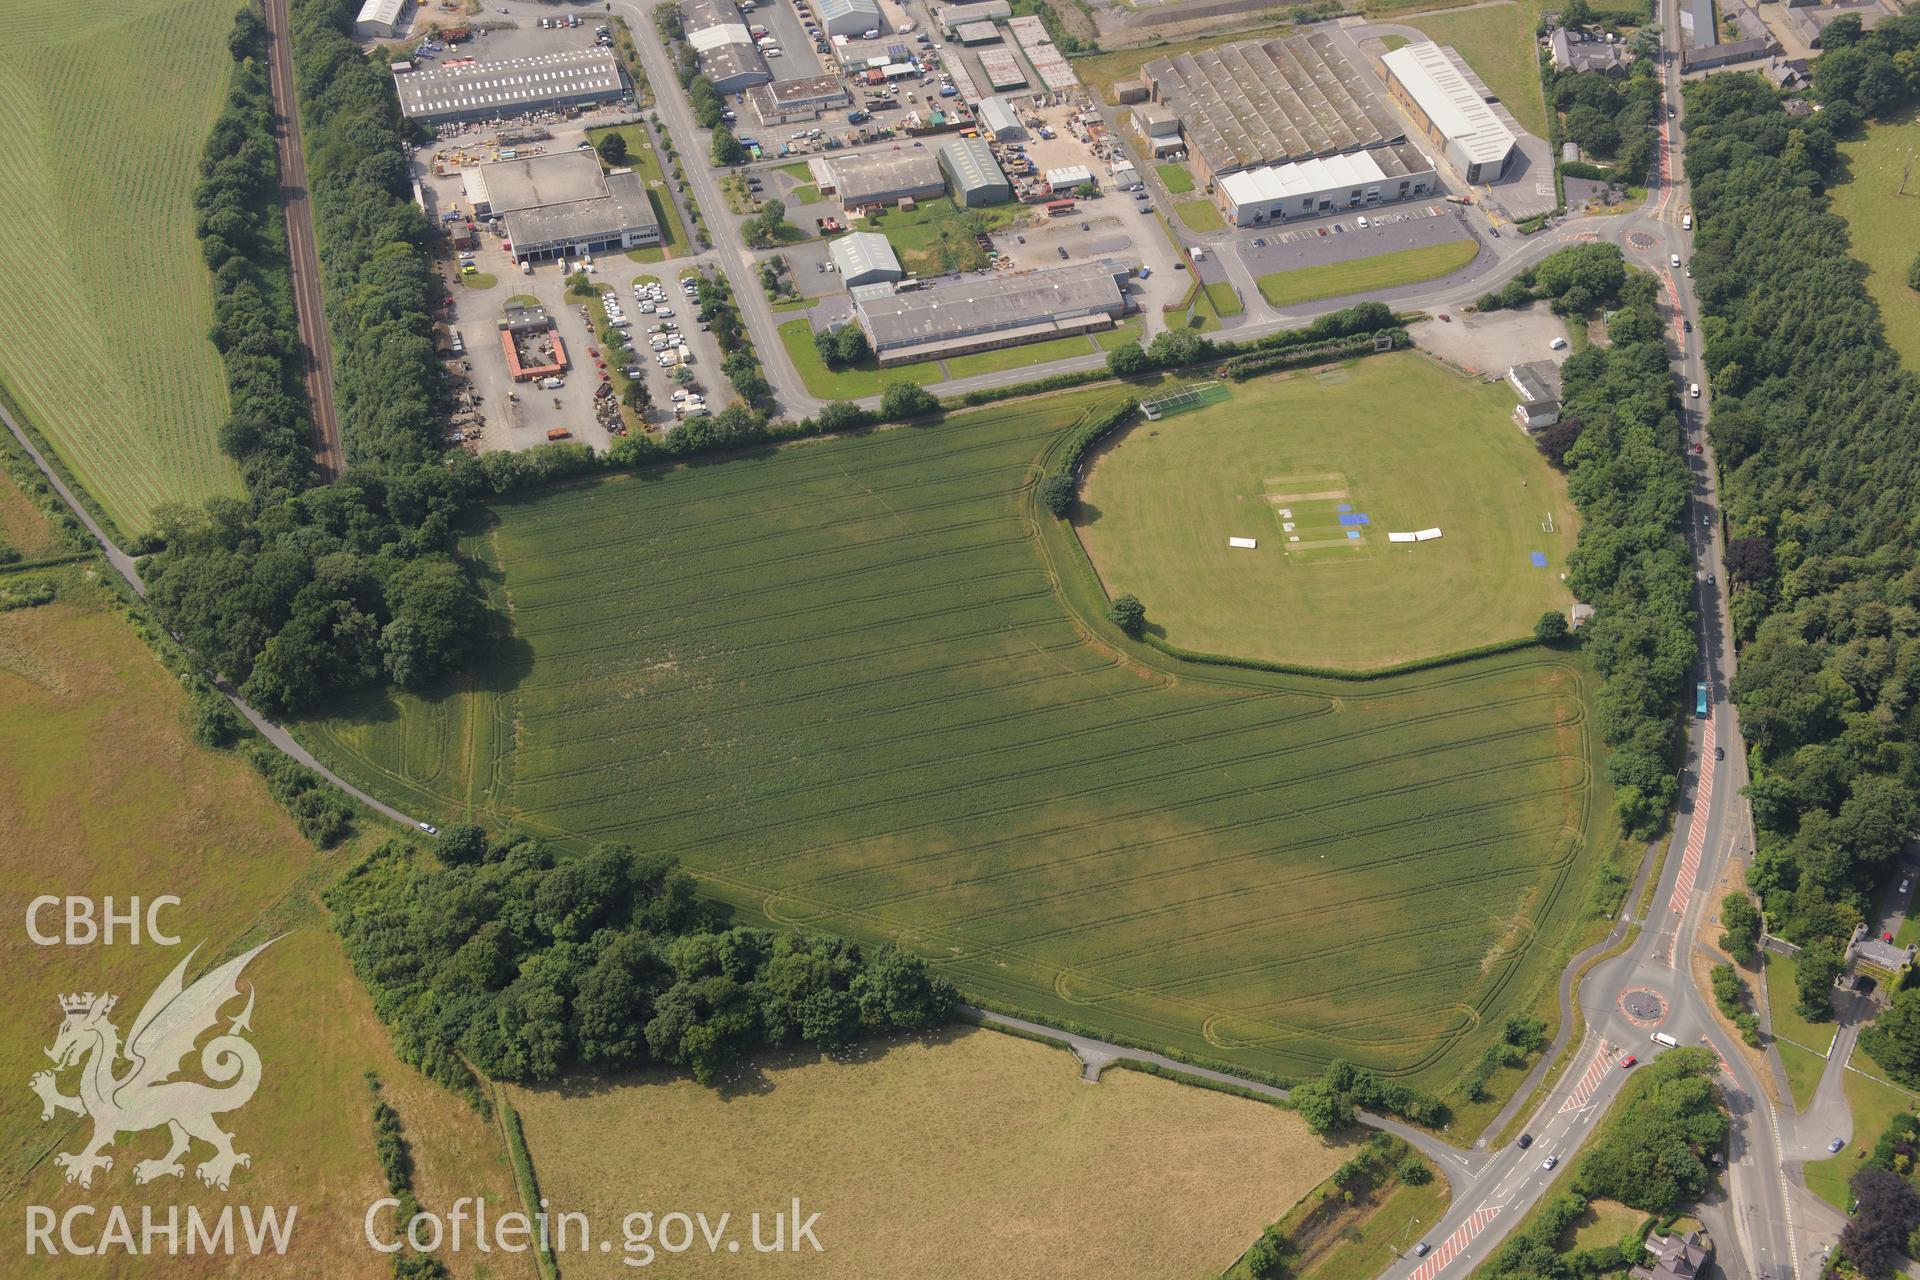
x: 853, y: 684
x: 1498, y: 43
x: 1881, y: 222
x: 1032, y: 1173
x: 112, y: 797
x: 1368, y: 275
x: 1398, y: 438
x: 103, y: 320
x: 1605, y: 1222
x: 1199, y: 214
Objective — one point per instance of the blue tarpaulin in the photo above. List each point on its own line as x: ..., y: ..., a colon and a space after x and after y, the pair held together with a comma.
x: 1539, y: 559
x: 1354, y: 517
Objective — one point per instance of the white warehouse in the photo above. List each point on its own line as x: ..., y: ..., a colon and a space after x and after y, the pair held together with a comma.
x: 1446, y: 100
x: 380, y: 19
x: 851, y: 18
x: 1356, y: 180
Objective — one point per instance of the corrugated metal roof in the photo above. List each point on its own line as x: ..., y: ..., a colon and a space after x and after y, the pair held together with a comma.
x: 382, y: 11
x: 971, y: 162
x: 1445, y: 92
x: 1326, y: 173
x: 998, y: 117
x: 862, y: 252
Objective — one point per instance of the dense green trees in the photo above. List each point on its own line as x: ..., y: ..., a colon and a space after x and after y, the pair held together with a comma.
x: 841, y: 347
x: 1627, y: 475
x: 767, y: 227
x: 1876, y: 72
x: 1893, y: 1040
x: 1652, y: 1153
x: 236, y: 214
x: 1817, y: 428
x: 726, y: 148
x: 613, y: 147
x: 1740, y: 927
x: 900, y: 401
x: 1886, y: 1212
x: 1614, y: 120
x: 1127, y: 613
x: 1334, y: 1101
x: 525, y: 966
x: 1815, y: 971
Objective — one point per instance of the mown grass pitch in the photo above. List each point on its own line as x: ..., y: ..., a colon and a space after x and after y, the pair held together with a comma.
x: 852, y: 684
x: 1396, y: 437
x: 104, y: 298
x: 1035, y: 1174
x: 1881, y: 223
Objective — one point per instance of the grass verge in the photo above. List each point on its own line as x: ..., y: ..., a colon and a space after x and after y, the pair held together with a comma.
x: 1368, y: 275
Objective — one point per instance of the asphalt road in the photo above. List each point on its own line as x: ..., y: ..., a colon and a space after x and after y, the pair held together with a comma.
x: 310, y: 314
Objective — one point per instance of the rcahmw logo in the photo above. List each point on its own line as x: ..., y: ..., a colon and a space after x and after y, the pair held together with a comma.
x: 145, y: 1094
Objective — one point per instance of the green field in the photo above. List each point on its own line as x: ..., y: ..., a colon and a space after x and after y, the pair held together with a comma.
x: 1885, y: 226
x: 1873, y: 1105
x: 1199, y: 214
x: 1816, y: 1037
x: 868, y: 379
x: 937, y: 238
x: 1177, y: 177
x: 1408, y: 443
x: 104, y: 299
x: 858, y: 684
x: 1498, y: 43
x: 1366, y: 275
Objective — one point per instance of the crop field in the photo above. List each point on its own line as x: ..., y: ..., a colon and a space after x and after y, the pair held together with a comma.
x: 853, y: 684
x: 104, y: 299
x: 1037, y: 1174
x: 1396, y: 440
x: 112, y: 797
x: 1881, y: 223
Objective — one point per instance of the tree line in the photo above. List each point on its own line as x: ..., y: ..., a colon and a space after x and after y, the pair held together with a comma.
x: 1620, y: 443
x: 1817, y: 428
x: 1614, y: 120
x: 242, y: 239
x: 526, y: 966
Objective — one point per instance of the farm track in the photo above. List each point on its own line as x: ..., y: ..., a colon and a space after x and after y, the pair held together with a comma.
x: 310, y: 315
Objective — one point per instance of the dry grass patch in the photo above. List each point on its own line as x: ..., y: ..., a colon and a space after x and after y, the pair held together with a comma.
x: 973, y: 1154
x: 103, y: 793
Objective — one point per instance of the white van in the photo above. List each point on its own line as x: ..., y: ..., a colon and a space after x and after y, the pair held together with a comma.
x: 1661, y: 1037
x: 552, y: 384
x: 1686, y: 222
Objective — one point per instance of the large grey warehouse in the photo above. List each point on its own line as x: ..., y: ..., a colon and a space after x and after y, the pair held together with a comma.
x: 562, y: 205
x: 719, y: 35
x: 955, y: 315
x: 976, y: 177
x: 1266, y: 102
x: 489, y: 90
x: 880, y: 177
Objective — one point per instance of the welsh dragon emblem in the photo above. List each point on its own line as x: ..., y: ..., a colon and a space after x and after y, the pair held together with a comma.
x: 144, y: 1095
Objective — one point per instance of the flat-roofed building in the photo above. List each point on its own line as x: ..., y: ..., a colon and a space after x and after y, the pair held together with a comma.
x: 510, y: 86
x: 1264, y: 102
x: 952, y: 17
x: 727, y: 53
x: 1439, y: 91
x: 956, y: 315
x: 380, y: 19
x: 561, y: 205
x: 1276, y: 193
x: 785, y: 101
x: 864, y: 257
x: 884, y: 177
x: 971, y: 33
x: 1002, y: 69
x: 849, y: 18
x: 973, y: 175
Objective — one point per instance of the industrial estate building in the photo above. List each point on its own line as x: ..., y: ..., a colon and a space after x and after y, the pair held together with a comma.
x: 785, y: 101
x: 380, y: 20
x: 719, y: 35
x: 952, y: 17
x: 1274, y: 193
x: 1451, y: 106
x: 998, y: 121
x: 864, y: 257
x: 490, y: 90
x: 849, y: 18
x: 974, y: 176
x: 879, y: 177
x: 1269, y: 102
x: 562, y: 205
x: 956, y: 315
